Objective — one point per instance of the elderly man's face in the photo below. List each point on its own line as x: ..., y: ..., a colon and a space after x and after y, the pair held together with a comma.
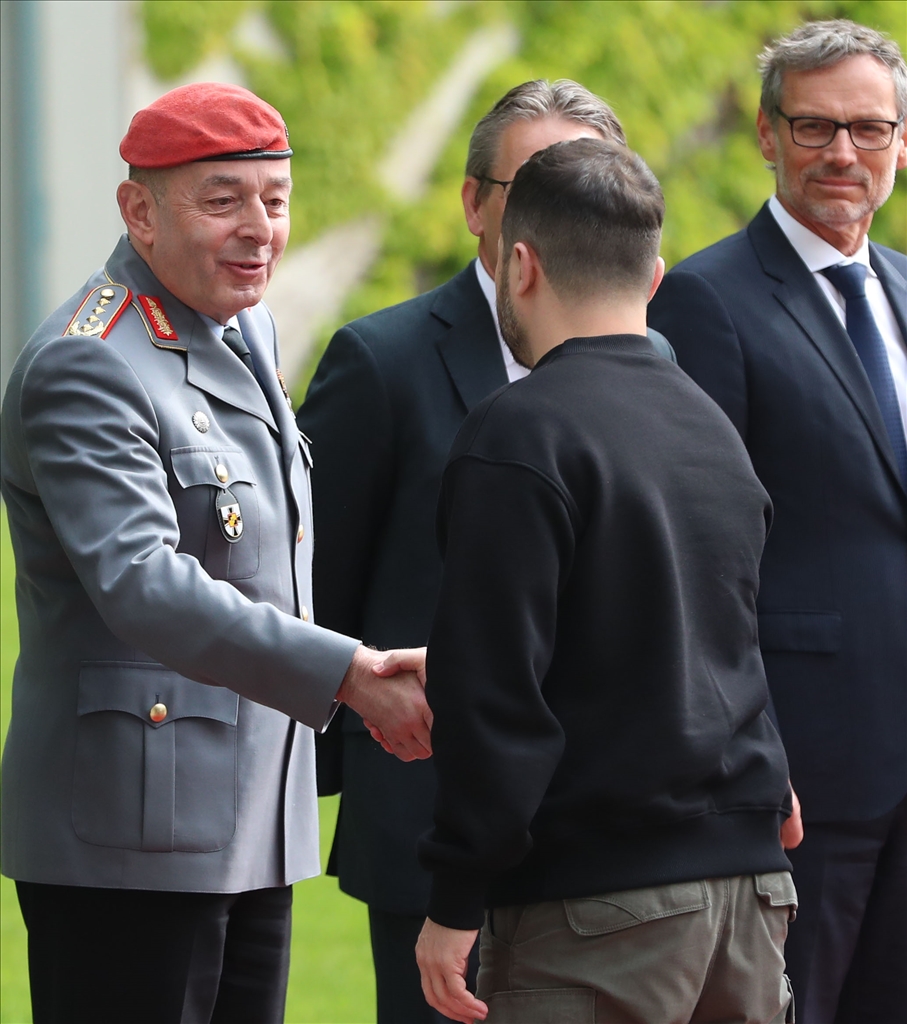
x: 219, y: 232
x: 835, y: 190
x: 518, y: 142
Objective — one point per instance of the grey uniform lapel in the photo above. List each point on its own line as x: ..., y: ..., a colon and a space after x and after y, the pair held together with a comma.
x: 210, y: 365
x: 802, y: 298
x: 266, y: 369
x: 469, y: 348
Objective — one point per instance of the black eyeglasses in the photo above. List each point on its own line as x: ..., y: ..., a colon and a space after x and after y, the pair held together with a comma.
x: 494, y: 181
x: 819, y: 132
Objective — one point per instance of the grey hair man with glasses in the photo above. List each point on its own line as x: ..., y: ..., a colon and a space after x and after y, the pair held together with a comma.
x: 383, y: 410
x: 796, y: 327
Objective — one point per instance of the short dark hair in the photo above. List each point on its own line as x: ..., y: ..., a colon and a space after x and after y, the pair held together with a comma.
x: 534, y: 101
x: 592, y: 211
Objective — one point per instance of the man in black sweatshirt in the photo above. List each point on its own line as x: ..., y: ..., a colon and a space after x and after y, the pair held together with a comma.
x: 611, y: 789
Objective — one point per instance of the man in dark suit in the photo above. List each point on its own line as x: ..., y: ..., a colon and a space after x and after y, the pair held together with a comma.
x: 382, y: 411
x: 813, y: 373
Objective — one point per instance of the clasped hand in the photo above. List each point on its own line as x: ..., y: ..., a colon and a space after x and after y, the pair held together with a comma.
x: 387, y: 688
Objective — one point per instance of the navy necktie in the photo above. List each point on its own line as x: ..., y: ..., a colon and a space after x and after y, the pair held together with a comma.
x: 850, y: 280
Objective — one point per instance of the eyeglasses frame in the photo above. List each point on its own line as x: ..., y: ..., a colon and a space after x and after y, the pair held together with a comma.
x: 838, y: 125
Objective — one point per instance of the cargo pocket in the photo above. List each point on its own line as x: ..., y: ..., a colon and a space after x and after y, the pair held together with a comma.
x: 211, y: 472
x: 777, y: 890
x: 542, y: 1006
x: 155, y: 761
x: 615, y: 911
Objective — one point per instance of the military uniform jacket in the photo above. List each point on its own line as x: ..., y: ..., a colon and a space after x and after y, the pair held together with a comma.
x: 159, y: 507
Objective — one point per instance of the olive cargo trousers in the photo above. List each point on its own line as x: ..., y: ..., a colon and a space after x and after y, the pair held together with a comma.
x: 686, y: 953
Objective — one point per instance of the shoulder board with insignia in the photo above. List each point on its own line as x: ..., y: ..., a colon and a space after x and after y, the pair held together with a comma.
x: 157, y: 318
x: 99, y: 311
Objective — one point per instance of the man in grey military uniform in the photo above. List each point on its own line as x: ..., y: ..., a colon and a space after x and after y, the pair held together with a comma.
x: 158, y: 777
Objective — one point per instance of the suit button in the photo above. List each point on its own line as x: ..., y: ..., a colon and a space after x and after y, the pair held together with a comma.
x: 220, y: 471
x: 158, y: 713
x: 305, y: 614
x: 300, y: 535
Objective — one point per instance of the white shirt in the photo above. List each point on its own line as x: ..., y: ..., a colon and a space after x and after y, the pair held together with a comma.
x: 219, y: 328
x: 818, y: 254
x: 513, y: 368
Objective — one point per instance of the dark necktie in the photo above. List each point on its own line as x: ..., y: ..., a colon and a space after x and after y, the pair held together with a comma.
x: 237, y: 345
x: 850, y: 280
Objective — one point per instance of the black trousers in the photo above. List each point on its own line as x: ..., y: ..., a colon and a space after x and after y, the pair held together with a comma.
x: 847, y: 950
x: 127, y: 956
x: 397, y: 981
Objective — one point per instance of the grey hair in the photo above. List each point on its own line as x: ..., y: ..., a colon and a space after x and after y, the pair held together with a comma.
x: 822, y: 44
x: 533, y: 101
x: 153, y: 178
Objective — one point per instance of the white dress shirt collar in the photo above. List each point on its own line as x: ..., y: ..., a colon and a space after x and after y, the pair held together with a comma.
x: 815, y: 252
x: 219, y: 328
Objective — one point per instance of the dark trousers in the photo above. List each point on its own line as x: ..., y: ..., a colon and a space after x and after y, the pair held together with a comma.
x: 397, y: 981
x: 847, y: 950
x: 112, y: 956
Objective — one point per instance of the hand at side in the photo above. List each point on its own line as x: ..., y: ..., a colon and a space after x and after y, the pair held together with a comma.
x: 442, y: 954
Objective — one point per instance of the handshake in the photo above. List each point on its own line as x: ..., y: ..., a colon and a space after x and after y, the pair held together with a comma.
x: 387, y: 688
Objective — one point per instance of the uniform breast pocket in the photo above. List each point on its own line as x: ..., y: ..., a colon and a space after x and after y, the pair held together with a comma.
x: 216, y: 496
x: 155, y: 765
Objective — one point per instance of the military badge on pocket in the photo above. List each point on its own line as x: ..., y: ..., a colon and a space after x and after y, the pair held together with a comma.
x: 229, y: 515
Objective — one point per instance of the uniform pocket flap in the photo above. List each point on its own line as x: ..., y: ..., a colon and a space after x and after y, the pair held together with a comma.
x: 200, y: 465
x: 614, y: 911
x: 818, y: 632
x: 137, y: 688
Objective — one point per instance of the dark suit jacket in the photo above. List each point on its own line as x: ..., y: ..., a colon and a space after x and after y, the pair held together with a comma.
x: 382, y: 411
x: 753, y: 328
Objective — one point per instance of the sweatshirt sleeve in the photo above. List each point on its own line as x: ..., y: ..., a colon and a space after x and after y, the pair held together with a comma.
x: 507, y: 535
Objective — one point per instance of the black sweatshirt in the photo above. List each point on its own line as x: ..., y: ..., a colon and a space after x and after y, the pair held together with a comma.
x: 594, y: 666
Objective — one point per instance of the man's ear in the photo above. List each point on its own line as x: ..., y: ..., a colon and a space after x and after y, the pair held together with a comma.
x: 138, y: 210
x: 657, y: 277
x: 471, y: 204
x: 768, y: 140
x: 528, y: 269
x: 901, y: 161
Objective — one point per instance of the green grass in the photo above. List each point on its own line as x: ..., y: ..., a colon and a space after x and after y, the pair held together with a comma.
x: 331, y: 979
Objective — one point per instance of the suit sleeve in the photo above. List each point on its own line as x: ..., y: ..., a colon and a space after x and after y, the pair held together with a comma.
x: 92, y: 454
x: 509, y: 542
x: 347, y: 415
x: 689, y: 311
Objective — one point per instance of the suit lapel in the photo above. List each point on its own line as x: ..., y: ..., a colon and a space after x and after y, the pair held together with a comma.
x: 802, y: 298
x: 894, y: 285
x: 469, y: 348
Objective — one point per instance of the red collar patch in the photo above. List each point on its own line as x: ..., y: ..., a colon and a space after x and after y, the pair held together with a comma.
x: 157, y: 318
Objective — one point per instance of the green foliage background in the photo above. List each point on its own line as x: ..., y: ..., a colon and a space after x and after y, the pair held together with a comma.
x: 681, y: 74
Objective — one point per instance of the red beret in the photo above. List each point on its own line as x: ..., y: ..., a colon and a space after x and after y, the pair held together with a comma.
x: 205, y: 121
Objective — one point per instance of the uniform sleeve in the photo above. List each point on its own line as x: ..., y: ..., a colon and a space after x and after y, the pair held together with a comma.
x: 91, y: 437
x: 509, y: 543
x: 691, y: 313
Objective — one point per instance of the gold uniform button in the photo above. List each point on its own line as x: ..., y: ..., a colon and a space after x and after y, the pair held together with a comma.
x: 158, y: 713
x: 220, y: 471
x: 305, y: 614
x: 300, y: 535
